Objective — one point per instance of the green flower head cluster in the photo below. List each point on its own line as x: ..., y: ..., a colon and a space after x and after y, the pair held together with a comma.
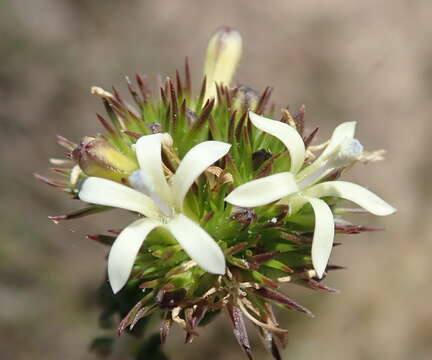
x: 226, y: 201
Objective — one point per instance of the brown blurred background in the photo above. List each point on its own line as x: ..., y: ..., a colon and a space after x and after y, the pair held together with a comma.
x: 369, y: 61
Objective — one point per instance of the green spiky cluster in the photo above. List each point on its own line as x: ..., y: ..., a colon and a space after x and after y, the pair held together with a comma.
x: 264, y: 247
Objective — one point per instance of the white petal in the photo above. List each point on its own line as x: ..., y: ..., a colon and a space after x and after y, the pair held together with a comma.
x: 322, y: 242
x: 109, y: 193
x: 342, y: 132
x: 125, y: 249
x: 285, y: 133
x: 199, y: 245
x: 352, y: 192
x: 148, y: 150
x: 199, y: 158
x: 263, y: 191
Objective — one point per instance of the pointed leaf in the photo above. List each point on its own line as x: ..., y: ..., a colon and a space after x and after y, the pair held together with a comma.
x: 106, y: 240
x: 319, y: 286
x: 263, y: 257
x: 239, y: 329
x: 356, y: 229
x: 165, y: 328
x: 282, y: 299
x: 89, y: 210
x: 269, y: 342
x: 127, y: 320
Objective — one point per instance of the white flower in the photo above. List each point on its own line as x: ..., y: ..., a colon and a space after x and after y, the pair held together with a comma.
x: 161, y: 203
x: 301, y: 186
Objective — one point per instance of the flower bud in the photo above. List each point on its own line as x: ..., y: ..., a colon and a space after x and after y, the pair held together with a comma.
x: 223, y: 55
x: 97, y: 157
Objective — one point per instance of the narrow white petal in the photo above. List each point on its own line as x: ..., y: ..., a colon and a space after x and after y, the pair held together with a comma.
x: 285, y: 133
x: 263, y: 191
x: 148, y: 150
x: 322, y: 242
x: 199, y: 245
x: 342, y: 132
x: 199, y: 158
x: 109, y: 193
x: 352, y: 192
x: 125, y: 249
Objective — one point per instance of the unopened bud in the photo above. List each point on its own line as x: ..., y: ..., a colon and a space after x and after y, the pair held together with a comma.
x: 223, y: 55
x: 97, y: 157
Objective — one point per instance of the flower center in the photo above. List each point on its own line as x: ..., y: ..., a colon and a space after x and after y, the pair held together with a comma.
x: 347, y: 152
x: 140, y: 181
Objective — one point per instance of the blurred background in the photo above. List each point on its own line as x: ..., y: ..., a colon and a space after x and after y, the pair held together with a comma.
x: 369, y: 61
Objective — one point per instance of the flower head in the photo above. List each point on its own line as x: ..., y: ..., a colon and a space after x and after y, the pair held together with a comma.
x: 303, y: 184
x: 226, y: 204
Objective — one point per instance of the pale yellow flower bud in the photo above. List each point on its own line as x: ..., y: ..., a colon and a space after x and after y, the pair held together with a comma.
x: 97, y: 157
x: 223, y: 55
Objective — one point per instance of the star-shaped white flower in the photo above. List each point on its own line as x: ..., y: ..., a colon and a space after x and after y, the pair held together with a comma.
x: 161, y: 202
x: 298, y: 187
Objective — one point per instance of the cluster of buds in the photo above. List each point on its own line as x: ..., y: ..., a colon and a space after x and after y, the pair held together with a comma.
x: 228, y: 204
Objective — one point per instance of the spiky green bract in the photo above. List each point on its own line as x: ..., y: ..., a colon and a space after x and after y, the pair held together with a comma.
x: 264, y: 246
